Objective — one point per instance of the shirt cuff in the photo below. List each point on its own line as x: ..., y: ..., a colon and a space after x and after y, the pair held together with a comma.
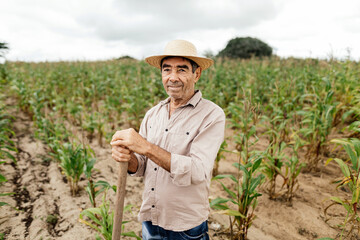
x: 141, y: 166
x: 180, y: 170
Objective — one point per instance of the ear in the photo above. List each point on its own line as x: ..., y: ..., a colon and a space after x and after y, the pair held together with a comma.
x: 197, y: 74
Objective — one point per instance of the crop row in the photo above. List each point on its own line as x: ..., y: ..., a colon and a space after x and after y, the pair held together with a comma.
x: 295, y: 104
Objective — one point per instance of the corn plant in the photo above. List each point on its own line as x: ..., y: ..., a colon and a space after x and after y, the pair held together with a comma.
x: 351, y: 171
x: 241, y: 202
x: 317, y: 122
x: 293, y: 168
x: 354, y: 128
x: 101, y: 219
x: 135, y: 105
x: 243, y: 199
x: 90, y: 126
x: 100, y: 127
x: 93, y: 189
x: 272, y: 166
x: 72, y: 161
x: 286, y: 166
x: 7, y: 146
x: 23, y: 94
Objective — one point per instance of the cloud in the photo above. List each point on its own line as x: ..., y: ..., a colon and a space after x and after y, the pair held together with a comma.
x: 137, y: 22
x: 101, y: 29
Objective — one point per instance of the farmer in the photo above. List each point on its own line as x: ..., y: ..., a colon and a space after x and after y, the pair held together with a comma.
x: 175, y: 149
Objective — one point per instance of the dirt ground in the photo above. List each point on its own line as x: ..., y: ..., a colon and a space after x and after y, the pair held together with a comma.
x: 41, y: 191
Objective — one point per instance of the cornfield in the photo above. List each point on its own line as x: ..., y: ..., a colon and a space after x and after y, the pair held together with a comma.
x: 285, y: 118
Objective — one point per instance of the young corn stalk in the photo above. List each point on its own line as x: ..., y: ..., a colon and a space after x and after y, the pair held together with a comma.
x: 274, y: 153
x: 317, y: 124
x: 278, y: 163
x: 272, y: 166
x: 93, y: 189
x: 7, y: 146
x: 135, y: 106
x: 101, y: 219
x: 72, y: 161
x: 242, y: 201
x: 351, y: 171
x: 293, y: 167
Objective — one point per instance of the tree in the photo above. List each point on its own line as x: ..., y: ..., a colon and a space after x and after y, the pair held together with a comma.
x: 3, y: 48
x: 246, y: 47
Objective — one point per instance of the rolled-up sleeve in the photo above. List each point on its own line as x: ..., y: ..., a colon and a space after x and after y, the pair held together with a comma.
x: 141, y: 166
x: 197, y: 167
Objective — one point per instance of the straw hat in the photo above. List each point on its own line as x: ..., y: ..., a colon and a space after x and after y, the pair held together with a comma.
x: 180, y: 48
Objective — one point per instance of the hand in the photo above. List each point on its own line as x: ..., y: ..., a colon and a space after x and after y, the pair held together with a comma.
x: 120, y: 154
x: 130, y: 139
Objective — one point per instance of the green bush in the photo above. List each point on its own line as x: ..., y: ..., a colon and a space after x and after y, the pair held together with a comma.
x: 245, y: 48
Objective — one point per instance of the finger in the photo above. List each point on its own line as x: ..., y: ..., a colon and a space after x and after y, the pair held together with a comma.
x: 116, y: 142
x: 120, y: 149
x: 120, y: 157
x: 118, y: 135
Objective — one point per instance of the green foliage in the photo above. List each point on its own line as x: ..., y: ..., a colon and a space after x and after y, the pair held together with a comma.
x: 3, y: 48
x: 72, y: 160
x: 101, y: 219
x: 246, y: 47
x: 318, y: 115
x: 351, y: 171
x: 241, y: 203
x: 94, y: 189
x: 7, y: 145
x: 52, y: 219
x: 242, y: 200
x: 299, y: 101
x: 293, y: 167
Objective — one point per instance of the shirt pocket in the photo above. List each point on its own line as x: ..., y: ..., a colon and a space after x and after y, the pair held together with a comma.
x: 153, y: 134
x: 180, y: 143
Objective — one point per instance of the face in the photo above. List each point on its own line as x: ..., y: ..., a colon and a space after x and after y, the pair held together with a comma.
x: 178, y: 78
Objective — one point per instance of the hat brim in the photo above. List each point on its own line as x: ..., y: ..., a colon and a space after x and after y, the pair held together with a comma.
x: 204, y: 63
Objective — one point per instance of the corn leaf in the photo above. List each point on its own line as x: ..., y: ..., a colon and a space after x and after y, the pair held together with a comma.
x: 221, y: 176
x: 231, y: 193
x: 231, y: 212
x: 131, y: 234
x: 344, y: 168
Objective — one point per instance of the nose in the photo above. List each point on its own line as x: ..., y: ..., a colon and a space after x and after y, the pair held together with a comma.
x: 173, y: 77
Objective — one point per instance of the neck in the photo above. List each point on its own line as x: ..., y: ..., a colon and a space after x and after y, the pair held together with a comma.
x: 176, y: 103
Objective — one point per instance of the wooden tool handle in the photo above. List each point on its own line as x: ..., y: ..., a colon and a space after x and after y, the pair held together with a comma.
x: 119, y: 202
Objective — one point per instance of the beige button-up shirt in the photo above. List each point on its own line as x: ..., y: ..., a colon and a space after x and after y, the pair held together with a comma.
x: 178, y: 200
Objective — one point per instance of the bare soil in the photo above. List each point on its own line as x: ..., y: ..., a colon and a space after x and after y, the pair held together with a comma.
x: 46, y: 209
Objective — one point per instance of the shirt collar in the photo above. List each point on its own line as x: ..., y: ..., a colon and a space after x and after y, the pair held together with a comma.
x: 194, y: 100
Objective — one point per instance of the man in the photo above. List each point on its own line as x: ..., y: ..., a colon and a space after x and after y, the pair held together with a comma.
x: 175, y: 149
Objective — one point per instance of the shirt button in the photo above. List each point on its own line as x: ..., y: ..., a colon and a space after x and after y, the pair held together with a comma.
x: 152, y: 189
x: 155, y: 169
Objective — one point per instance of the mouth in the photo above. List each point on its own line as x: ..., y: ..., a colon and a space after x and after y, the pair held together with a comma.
x: 174, y: 87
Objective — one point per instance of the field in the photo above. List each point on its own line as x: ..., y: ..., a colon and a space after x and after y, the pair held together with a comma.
x: 289, y: 168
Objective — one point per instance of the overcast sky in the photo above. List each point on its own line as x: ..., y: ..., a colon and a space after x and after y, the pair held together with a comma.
x: 52, y: 30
